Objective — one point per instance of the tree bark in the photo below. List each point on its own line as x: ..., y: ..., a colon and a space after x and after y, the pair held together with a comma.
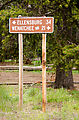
x: 63, y: 78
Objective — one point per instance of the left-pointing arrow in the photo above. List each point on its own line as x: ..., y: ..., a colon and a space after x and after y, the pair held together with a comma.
x: 14, y: 22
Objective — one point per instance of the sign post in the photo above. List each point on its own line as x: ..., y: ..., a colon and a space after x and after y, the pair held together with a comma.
x: 20, y: 38
x: 20, y: 69
x: 43, y: 72
x: 32, y: 25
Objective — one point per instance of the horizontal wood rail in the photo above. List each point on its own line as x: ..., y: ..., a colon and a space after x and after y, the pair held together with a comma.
x: 24, y: 83
x: 27, y: 68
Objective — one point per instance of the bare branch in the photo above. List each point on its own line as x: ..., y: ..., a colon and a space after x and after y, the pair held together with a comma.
x: 6, y: 3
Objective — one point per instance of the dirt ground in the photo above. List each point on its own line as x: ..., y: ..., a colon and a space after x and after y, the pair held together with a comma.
x: 13, y: 77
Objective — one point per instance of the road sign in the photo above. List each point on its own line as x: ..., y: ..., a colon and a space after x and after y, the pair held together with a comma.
x: 31, y: 25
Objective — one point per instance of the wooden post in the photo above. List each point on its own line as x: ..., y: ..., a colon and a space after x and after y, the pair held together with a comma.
x: 43, y: 72
x: 20, y: 36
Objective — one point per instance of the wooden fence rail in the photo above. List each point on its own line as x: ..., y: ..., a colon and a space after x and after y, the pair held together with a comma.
x: 27, y: 68
x: 29, y: 83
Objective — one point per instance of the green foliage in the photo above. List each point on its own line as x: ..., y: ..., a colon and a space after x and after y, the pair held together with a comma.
x: 36, y: 107
x: 71, y: 51
x: 7, y: 99
x: 8, y: 41
x: 59, y: 95
x: 3, y: 94
x: 62, y: 45
x: 36, y: 63
x: 61, y: 104
x: 32, y: 95
x: 75, y: 71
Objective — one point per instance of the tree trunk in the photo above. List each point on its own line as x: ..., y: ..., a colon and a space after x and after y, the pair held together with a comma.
x: 63, y: 78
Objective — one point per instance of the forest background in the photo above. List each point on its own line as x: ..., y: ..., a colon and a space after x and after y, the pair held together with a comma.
x: 62, y: 46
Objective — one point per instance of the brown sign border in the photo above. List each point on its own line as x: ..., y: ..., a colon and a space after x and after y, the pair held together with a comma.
x: 32, y: 32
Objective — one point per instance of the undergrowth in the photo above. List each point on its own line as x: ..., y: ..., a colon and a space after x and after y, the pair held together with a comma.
x: 61, y: 104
